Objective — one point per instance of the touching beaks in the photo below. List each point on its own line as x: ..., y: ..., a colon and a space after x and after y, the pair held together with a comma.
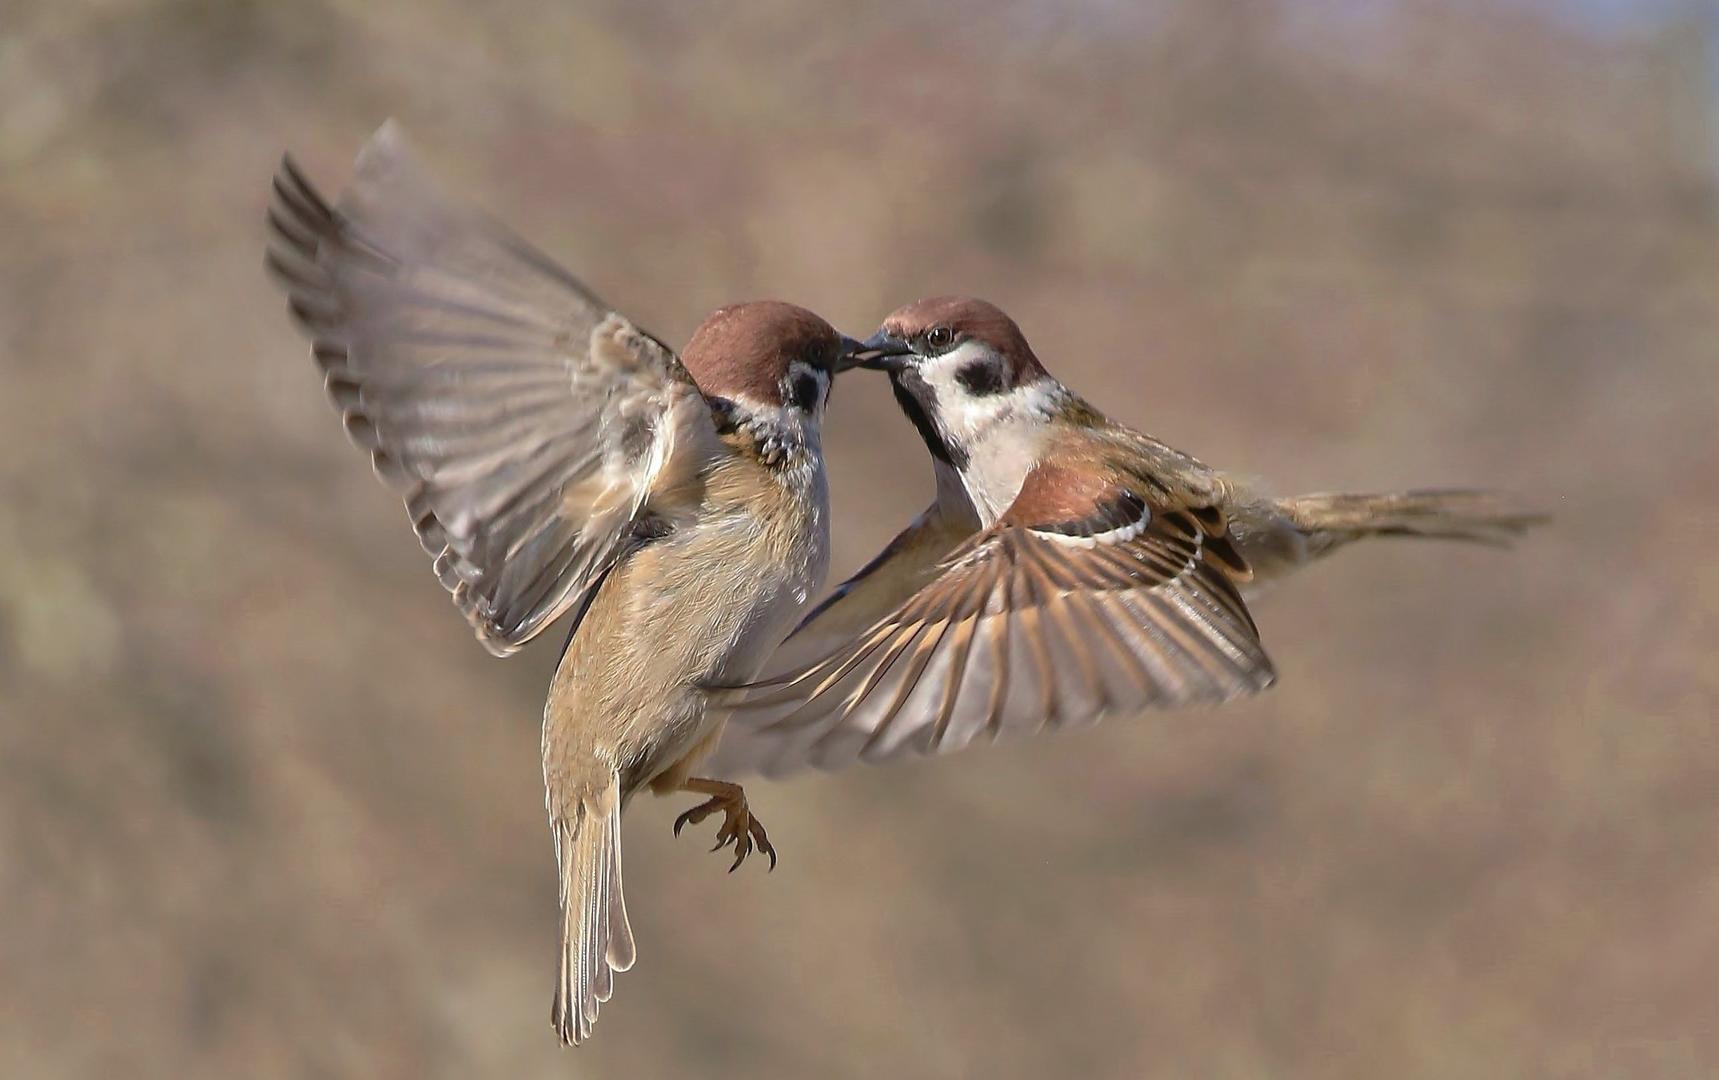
x: 882, y: 352
x: 852, y: 354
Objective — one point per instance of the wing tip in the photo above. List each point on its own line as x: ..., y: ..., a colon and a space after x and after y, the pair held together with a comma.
x: 389, y: 137
x: 388, y: 159
x: 497, y: 647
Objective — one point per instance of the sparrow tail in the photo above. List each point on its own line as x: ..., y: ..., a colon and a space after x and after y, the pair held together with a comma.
x: 1481, y: 517
x: 596, y: 940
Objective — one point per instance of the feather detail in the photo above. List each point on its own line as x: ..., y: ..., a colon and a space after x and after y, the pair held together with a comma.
x: 596, y: 938
x: 1090, y: 597
x: 524, y: 422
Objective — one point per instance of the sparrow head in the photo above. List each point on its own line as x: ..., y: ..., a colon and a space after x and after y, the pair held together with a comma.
x: 961, y: 370
x: 984, y: 346
x: 767, y: 356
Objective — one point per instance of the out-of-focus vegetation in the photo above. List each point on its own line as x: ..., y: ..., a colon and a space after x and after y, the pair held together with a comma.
x: 266, y: 809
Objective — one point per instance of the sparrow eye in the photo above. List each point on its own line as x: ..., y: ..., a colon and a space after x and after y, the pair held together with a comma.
x: 939, y: 337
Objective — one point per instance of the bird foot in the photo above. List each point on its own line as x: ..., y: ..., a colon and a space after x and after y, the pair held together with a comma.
x: 739, y: 826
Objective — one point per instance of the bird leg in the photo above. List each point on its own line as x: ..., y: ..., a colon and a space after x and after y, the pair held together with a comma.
x: 739, y: 826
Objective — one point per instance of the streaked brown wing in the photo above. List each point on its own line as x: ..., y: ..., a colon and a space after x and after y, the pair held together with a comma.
x: 524, y: 422
x: 1029, y: 626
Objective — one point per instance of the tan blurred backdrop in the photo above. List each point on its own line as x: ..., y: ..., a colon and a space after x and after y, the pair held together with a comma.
x: 267, y: 810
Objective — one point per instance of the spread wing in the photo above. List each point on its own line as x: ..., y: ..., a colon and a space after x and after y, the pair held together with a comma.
x: 1083, y: 601
x: 907, y: 564
x: 525, y: 423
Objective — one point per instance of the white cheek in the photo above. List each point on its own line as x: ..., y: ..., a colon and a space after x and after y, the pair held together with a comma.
x: 940, y: 371
x: 962, y: 413
x: 968, y: 416
x: 1001, y: 434
x: 959, y: 356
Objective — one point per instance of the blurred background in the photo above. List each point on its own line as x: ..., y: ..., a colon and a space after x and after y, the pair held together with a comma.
x: 267, y: 810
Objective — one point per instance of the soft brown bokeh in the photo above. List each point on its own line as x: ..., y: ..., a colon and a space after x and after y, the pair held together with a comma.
x: 267, y: 810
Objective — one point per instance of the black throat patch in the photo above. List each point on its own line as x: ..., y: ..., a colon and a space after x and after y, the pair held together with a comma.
x: 907, y: 397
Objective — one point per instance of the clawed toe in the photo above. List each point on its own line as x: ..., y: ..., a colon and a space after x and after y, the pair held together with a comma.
x: 763, y: 841
x: 739, y: 827
x: 745, y: 839
x: 742, y: 848
x: 697, y: 814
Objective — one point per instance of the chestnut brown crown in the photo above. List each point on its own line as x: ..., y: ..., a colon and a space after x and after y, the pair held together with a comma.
x: 970, y: 319
x: 747, y: 351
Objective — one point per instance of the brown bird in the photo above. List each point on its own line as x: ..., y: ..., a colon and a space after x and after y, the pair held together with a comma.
x: 1070, y: 568
x: 556, y: 459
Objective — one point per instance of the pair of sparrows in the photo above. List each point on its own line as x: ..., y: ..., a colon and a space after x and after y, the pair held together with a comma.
x: 556, y: 459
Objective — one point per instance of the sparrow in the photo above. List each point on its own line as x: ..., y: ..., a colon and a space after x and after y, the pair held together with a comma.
x: 556, y: 460
x: 1069, y: 567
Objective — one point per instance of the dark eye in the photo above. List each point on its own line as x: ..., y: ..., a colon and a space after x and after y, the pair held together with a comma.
x: 981, y: 377
x: 939, y: 337
x: 803, y: 392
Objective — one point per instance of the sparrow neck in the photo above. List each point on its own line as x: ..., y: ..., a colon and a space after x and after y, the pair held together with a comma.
x: 778, y: 436
x: 942, y: 453
x: 1003, y: 445
x: 953, y: 502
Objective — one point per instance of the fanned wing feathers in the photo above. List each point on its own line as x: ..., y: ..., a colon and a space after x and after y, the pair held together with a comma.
x: 907, y: 564
x: 1045, y: 620
x: 524, y: 421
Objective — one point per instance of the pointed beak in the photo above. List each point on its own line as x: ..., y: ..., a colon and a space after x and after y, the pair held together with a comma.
x: 852, y: 354
x: 881, y: 352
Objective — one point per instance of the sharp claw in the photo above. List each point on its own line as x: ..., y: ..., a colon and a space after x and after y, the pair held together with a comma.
x: 692, y: 817
x: 742, y: 845
x: 738, y: 827
x: 762, y: 838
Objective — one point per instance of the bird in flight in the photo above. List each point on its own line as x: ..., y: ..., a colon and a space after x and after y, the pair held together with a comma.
x: 556, y: 460
x: 1070, y: 568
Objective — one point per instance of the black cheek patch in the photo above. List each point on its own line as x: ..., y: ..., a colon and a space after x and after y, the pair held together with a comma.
x: 803, y: 392
x: 981, y: 378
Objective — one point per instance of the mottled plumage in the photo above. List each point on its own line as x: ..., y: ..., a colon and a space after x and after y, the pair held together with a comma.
x: 556, y: 459
x: 1079, y: 568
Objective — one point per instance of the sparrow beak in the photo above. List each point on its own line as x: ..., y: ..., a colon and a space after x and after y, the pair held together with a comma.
x: 852, y: 355
x: 882, y: 352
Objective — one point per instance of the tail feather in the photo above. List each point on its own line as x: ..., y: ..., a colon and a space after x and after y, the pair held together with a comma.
x: 1476, y: 516
x: 596, y: 939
